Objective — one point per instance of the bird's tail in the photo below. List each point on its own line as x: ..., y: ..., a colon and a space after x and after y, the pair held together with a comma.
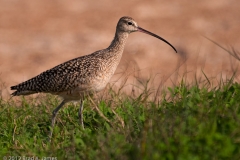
x: 20, y: 91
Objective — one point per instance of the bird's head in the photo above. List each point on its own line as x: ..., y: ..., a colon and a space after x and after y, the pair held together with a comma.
x: 129, y: 25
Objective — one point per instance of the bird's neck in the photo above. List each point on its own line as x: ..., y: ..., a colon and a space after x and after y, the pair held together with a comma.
x: 118, y: 43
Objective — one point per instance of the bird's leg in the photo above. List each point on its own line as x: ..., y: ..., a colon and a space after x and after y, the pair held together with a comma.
x: 54, y: 114
x: 80, y: 113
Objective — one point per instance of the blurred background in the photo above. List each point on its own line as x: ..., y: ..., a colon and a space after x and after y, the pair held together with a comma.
x: 38, y: 35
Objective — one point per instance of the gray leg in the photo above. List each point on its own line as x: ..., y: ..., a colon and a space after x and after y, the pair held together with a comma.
x: 54, y: 114
x: 80, y: 114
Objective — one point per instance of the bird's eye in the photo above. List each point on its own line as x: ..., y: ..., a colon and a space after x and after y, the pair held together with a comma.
x: 129, y: 23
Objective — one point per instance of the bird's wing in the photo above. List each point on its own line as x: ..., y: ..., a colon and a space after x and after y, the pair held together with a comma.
x: 60, y: 78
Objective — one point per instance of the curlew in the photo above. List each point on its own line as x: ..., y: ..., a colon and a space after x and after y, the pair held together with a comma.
x: 83, y: 75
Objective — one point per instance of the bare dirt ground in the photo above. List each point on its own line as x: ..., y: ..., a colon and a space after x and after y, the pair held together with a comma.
x: 37, y: 35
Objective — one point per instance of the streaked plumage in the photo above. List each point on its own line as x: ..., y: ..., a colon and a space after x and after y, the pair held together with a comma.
x: 85, y: 74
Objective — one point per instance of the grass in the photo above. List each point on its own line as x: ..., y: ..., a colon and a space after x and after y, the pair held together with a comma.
x: 190, y: 122
x: 194, y: 122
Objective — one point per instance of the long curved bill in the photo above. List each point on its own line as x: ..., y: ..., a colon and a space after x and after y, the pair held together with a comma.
x: 154, y: 35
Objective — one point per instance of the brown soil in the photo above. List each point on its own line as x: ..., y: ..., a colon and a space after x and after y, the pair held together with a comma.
x: 37, y: 35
